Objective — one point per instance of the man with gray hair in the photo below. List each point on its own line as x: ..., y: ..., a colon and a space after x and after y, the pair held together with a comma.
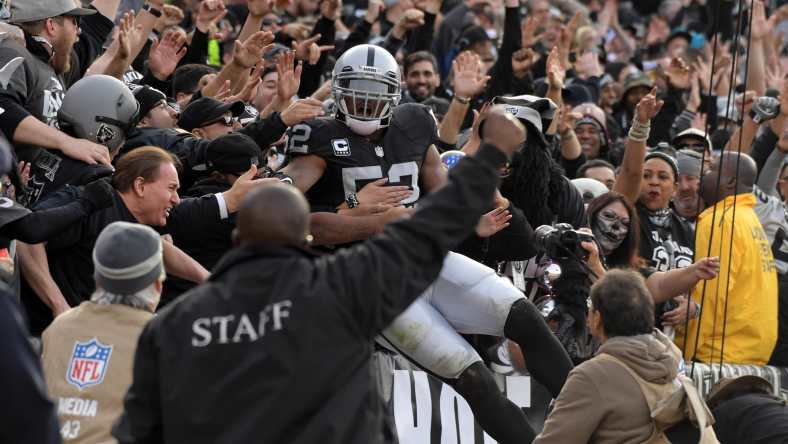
x: 89, y: 350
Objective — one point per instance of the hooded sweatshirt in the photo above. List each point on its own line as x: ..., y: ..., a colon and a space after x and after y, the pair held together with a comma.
x: 602, y: 403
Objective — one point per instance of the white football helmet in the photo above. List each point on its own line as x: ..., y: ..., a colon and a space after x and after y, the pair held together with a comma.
x: 366, y: 88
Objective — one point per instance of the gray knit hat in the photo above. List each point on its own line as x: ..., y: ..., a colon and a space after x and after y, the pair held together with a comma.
x: 127, y: 258
x: 690, y: 163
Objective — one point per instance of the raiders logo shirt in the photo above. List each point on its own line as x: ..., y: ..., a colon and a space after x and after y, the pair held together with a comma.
x: 666, y: 241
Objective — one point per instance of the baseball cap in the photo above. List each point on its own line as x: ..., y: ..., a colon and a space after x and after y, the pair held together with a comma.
x: 575, y: 94
x: 233, y: 153
x: 635, y: 80
x: 727, y: 388
x: 32, y: 10
x: 148, y: 98
x: 692, y: 132
x: 535, y: 112
x: 207, y: 109
x: 127, y: 258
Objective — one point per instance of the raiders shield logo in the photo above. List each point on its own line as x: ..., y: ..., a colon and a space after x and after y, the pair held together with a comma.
x: 105, y: 133
x: 88, y: 364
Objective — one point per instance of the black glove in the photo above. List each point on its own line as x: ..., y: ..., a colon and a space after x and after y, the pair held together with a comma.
x: 98, y: 195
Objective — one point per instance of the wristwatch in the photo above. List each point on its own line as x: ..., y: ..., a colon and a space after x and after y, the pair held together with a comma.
x: 154, y: 12
x: 351, y: 200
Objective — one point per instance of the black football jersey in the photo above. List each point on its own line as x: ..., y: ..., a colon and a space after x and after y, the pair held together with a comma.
x: 353, y: 161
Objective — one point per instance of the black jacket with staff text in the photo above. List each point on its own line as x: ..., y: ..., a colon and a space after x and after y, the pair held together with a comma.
x: 276, y: 347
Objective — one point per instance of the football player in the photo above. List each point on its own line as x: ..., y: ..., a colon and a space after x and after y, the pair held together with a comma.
x: 371, y: 141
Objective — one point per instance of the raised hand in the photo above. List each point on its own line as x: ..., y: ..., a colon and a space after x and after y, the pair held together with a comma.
x: 522, y: 61
x: 565, y: 41
x: 259, y: 8
x: 289, y: 76
x: 378, y: 193
x: 248, y: 53
x: 170, y: 16
x: 249, y: 90
x: 296, y: 31
x: 587, y: 65
x: 648, y: 107
x: 760, y: 25
x: 528, y: 30
x: 374, y: 9
x: 165, y: 54
x: 209, y: 13
x: 302, y: 110
x: 568, y: 120
x: 468, y: 78
x: 556, y: 72
x: 309, y: 50
x: 330, y: 9
x: 411, y: 19
x: 429, y: 6
x: 493, y: 222
x: 678, y: 73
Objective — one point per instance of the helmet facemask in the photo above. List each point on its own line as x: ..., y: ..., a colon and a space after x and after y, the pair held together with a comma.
x: 365, y: 100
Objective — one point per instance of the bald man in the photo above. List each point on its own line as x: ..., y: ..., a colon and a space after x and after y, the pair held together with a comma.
x: 276, y: 346
x: 746, y: 287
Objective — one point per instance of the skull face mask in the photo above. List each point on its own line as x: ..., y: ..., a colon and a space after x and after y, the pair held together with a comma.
x: 609, y: 230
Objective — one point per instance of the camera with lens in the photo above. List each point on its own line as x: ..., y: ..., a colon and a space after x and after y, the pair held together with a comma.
x: 561, y: 242
x: 566, y: 306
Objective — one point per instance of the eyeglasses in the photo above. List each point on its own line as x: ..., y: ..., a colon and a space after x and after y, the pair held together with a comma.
x: 227, y: 120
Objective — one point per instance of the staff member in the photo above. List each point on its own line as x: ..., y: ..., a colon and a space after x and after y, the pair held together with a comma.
x: 744, y: 296
x: 273, y: 314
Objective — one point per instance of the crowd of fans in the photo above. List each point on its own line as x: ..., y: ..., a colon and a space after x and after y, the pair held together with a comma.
x: 137, y: 137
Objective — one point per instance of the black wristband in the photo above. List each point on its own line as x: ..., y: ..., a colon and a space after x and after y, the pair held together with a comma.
x: 154, y: 12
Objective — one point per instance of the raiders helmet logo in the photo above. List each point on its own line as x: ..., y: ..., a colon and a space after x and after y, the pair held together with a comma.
x: 105, y: 133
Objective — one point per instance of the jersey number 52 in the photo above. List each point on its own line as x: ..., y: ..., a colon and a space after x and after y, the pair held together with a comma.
x: 351, y: 177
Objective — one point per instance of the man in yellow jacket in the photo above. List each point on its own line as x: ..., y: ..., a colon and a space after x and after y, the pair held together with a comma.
x: 747, y: 279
